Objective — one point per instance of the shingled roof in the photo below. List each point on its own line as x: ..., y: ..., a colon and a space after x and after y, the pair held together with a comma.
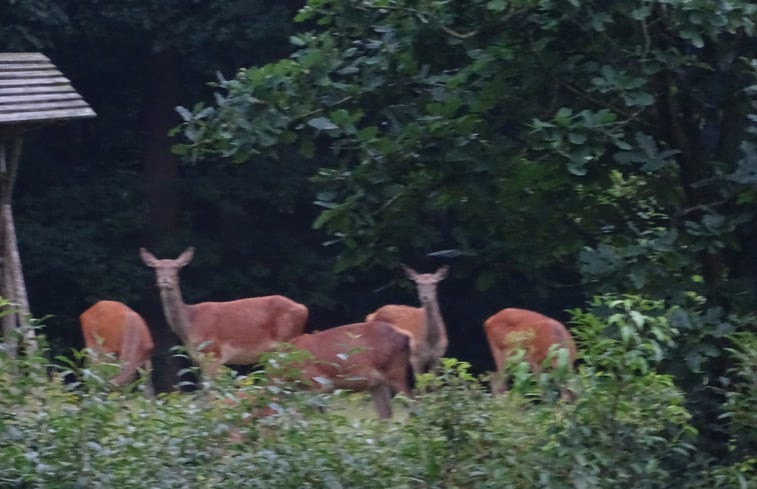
x: 32, y: 89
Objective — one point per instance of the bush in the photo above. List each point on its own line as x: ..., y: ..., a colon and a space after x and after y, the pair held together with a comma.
x: 628, y: 426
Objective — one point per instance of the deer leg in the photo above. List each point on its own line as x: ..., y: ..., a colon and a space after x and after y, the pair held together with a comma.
x: 401, y: 378
x: 567, y: 394
x: 209, y: 367
x: 149, y: 387
x: 416, y: 364
x: 123, y: 379
x: 382, y: 400
x: 434, y: 365
x: 498, y: 378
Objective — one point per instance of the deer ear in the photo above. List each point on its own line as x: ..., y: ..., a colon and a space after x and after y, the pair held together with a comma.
x: 411, y: 274
x: 441, y: 273
x: 186, y: 256
x: 147, y: 257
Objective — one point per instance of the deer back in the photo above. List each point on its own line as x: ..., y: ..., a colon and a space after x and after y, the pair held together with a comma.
x: 113, y: 327
x: 105, y: 324
x: 406, y: 318
x: 241, y: 330
x: 358, y: 356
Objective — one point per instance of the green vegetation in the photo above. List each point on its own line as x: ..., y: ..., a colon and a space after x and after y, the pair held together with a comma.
x: 628, y: 426
x: 549, y: 151
x: 542, y: 147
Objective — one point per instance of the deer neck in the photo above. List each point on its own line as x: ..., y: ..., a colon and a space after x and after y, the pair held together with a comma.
x: 176, y: 312
x: 434, y: 322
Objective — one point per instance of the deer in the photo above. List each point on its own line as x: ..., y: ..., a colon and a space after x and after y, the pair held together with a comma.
x: 370, y: 356
x: 112, y: 327
x: 233, y: 332
x: 513, y: 329
x: 424, y: 324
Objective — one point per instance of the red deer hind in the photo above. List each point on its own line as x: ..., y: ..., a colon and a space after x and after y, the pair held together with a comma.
x: 513, y: 329
x: 424, y: 324
x: 371, y: 356
x: 111, y: 327
x: 224, y: 333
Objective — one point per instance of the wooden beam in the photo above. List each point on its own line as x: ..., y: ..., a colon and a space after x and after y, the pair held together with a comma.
x: 39, y: 97
x: 35, y: 89
x: 13, y: 82
x: 13, y: 57
x: 48, y: 115
x: 25, y: 74
x: 25, y: 66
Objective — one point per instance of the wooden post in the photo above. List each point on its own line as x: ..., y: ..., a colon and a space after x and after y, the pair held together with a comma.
x: 16, y: 314
x: 33, y: 92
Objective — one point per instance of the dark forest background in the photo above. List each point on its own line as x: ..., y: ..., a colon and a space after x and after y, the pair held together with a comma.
x: 91, y: 192
x: 547, y: 151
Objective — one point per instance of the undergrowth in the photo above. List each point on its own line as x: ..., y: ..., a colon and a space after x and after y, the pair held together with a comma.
x: 626, y: 427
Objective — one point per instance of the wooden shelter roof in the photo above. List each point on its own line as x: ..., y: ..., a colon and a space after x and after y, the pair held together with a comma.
x: 32, y: 89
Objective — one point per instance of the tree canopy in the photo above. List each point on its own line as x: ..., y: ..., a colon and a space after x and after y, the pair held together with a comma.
x: 537, y: 144
x: 549, y: 150
x: 611, y: 138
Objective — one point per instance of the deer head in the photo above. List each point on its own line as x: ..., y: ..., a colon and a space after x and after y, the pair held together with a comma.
x: 426, y: 282
x: 167, y: 271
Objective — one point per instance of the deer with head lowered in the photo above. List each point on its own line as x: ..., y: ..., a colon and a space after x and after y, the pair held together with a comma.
x: 514, y: 329
x: 111, y: 327
x: 372, y: 356
x: 224, y: 333
x: 424, y: 324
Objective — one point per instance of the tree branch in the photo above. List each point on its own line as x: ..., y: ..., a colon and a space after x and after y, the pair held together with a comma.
x: 458, y: 35
x: 321, y: 109
x: 605, y: 105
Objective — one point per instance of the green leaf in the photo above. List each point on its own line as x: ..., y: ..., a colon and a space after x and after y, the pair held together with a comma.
x: 185, y: 114
x: 639, y: 99
x: 563, y: 116
x: 638, y: 318
x: 577, y: 137
x: 322, y: 123
x: 641, y: 12
x: 694, y: 361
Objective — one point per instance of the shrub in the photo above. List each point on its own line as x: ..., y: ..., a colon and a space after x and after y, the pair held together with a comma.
x: 628, y: 426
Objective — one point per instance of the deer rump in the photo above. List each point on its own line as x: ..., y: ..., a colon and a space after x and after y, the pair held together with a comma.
x: 370, y: 356
x: 409, y: 318
x: 237, y: 332
x: 111, y: 327
x: 512, y: 329
x: 412, y: 320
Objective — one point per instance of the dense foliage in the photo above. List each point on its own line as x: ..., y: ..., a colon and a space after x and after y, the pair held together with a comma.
x: 627, y: 428
x: 537, y: 144
x: 550, y: 150
x: 457, y: 128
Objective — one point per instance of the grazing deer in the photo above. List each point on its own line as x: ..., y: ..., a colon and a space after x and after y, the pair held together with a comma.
x: 424, y: 324
x: 222, y: 333
x: 512, y: 329
x: 111, y: 327
x: 371, y: 356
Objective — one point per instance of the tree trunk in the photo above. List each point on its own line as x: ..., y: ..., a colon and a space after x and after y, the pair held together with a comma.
x: 681, y: 134
x: 161, y: 166
x: 161, y: 173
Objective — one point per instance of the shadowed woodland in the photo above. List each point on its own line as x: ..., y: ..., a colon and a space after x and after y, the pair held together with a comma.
x: 592, y: 161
